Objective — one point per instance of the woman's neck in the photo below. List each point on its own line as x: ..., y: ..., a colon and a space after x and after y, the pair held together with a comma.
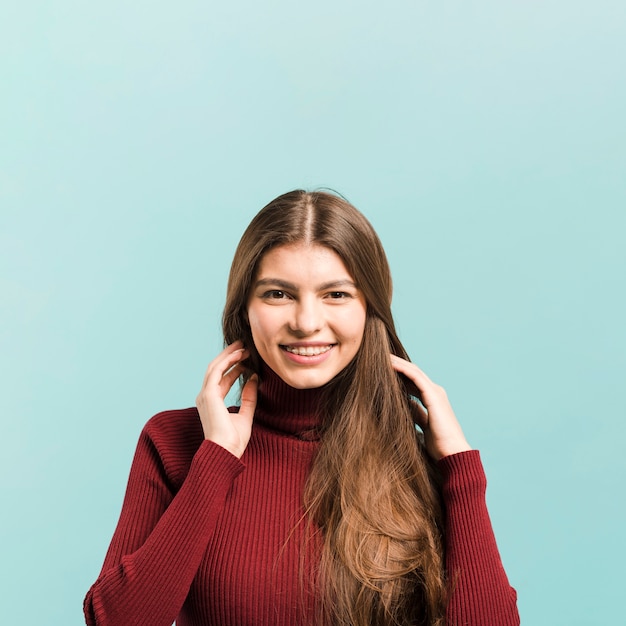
x: 291, y: 411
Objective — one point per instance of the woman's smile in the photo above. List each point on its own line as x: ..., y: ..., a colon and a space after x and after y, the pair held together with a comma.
x: 307, y: 350
x: 308, y: 355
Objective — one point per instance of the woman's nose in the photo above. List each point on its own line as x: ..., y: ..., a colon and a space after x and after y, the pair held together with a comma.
x: 307, y: 318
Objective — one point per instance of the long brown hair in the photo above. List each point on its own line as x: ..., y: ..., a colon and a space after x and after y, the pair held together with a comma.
x: 372, y: 489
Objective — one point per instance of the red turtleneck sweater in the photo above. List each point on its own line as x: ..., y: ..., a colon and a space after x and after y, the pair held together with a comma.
x: 207, y: 539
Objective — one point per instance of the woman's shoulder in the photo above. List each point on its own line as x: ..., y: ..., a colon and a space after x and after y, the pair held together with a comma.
x: 174, y: 437
x: 173, y: 421
x: 174, y: 428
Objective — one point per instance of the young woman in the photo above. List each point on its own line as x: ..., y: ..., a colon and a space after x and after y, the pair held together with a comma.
x: 317, y: 500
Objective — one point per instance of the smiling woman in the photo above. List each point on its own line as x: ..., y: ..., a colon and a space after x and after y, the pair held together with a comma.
x: 317, y: 500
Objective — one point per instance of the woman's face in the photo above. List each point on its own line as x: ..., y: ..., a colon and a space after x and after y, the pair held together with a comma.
x: 306, y: 314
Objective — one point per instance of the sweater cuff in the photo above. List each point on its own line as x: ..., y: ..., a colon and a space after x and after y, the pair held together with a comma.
x: 462, y: 473
x: 213, y: 460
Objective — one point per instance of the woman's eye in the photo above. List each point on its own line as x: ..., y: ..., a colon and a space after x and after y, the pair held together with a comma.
x: 275, y: 294
x: 338, y: 295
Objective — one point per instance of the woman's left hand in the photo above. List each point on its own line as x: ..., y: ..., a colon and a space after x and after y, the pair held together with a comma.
x: 443, y: 434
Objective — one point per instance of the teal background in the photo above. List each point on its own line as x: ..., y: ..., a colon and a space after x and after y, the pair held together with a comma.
x: 485, y: 141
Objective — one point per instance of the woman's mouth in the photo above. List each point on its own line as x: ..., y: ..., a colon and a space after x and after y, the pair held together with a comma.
x: 307, y: 350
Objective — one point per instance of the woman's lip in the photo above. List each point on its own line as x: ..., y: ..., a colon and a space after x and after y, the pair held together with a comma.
x: 306, y: 348
x: 307, y: 344
x: 307, y: 359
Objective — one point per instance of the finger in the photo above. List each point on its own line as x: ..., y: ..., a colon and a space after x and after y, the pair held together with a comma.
x: 410, y: 375
x: 248, y: 397
x: 430, y: 391
x: 409, y: 369
x: 220, y: 388
x: 223, y: 363
x: 230, y: 377
x: 421, y: 415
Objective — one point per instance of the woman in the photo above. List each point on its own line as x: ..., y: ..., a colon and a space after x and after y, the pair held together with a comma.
x: 316, y: 501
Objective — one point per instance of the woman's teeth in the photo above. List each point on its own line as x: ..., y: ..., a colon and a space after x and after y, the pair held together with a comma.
x: 307, y: 350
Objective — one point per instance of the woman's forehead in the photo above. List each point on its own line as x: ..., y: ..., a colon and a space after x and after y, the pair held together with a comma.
x: 303, y: 262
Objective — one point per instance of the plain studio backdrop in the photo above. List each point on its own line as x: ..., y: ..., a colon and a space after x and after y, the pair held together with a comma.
x: 484, y: 140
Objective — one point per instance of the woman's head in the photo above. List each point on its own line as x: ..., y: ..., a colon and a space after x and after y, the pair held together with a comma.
x: 309, y: 220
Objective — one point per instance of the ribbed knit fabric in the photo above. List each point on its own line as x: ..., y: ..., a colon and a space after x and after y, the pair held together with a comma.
x: 208, y: 540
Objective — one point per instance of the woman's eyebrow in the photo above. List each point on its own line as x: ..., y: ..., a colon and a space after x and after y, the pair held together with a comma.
x: 276, y: 282
x: 337, y: 283
x: 283, y: 284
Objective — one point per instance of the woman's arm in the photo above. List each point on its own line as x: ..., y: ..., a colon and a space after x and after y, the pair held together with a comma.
x: 480, y: 593
x: 166, y: 524
x: 161, y: 537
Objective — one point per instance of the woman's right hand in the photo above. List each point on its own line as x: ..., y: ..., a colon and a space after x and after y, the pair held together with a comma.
x: 229, y: 430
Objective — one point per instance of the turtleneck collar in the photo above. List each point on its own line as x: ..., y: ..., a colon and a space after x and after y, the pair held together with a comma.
x: 285, y: 409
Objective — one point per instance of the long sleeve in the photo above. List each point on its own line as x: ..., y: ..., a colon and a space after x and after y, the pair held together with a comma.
x: 480, y: 594
x: 177, y: 486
